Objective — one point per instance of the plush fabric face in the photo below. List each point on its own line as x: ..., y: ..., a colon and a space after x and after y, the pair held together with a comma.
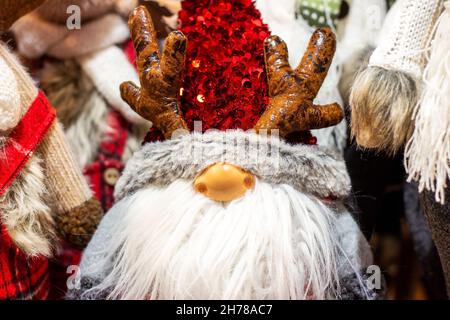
x: 172, y: 243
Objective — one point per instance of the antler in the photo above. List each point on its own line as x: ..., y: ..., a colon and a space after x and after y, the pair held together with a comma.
x: 291, y: 106
x: 160, y: 77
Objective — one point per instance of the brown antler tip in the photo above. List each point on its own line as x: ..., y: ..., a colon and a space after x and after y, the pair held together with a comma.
x: 140, y: 15
x: 323, y: 35
x: 138, y: 11
x: 273, y: 40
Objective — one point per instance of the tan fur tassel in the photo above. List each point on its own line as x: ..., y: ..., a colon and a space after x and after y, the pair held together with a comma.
x: 428, y: 151
x: 382, y: 103
x: 353, y: 65
x: 386, y: 93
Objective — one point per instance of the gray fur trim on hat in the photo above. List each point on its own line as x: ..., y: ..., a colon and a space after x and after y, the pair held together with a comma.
x: 308, y: 169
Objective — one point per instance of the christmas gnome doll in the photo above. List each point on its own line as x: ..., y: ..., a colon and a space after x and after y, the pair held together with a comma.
x: 42, y: 191
x: 228, y: 213
x: 82, y: 69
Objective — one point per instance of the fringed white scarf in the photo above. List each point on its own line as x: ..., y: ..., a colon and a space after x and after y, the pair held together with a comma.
x: 428, y: 151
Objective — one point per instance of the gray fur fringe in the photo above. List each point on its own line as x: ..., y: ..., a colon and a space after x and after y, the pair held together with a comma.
x: 309, y: 169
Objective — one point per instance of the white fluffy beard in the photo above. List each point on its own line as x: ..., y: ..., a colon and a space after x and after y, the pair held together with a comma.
x: 172, y: 243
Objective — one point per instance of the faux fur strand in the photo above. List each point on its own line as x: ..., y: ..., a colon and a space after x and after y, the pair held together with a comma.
x: 307, y: 168
x: 428, y: 151
x: 24, y: 213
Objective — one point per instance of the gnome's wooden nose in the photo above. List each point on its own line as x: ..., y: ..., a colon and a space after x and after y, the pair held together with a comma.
x: 224, y: 182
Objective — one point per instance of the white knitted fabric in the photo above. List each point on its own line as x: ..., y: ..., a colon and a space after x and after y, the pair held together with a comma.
x: 405, y: 36
x: 12, y: 71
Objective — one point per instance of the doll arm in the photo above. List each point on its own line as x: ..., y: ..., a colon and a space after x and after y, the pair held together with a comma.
x: 76, y: 212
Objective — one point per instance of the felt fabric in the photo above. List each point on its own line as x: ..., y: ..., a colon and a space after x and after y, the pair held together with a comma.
x: 36, y: 37
x: 93, y: 47
x: 14, y: 9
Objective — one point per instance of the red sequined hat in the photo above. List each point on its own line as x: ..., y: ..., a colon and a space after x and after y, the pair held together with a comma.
x: 224, y: 82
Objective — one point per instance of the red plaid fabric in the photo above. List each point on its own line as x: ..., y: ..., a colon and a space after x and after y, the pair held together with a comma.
x: 59, y: 270
x: 109, y: 157
x: 21, y: 277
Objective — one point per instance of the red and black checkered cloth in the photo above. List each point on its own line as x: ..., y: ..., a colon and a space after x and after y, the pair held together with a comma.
x: 21, y: 277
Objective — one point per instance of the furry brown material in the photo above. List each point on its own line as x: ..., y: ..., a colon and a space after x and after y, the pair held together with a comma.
x: 80, y: 223
x: 383, y: 103
x: 25, y: 214
x: 67, y: 88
